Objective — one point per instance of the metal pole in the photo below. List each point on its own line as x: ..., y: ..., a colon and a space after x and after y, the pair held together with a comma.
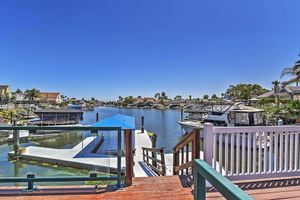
x: 181, y: 114
x: 142, y: 124
x: 119, y: 158
x: 16, y: 142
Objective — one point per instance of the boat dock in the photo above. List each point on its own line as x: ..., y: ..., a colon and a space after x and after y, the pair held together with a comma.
x: 84, y: 155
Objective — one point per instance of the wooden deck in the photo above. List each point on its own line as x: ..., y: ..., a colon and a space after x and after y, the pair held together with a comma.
x: 146, y: 188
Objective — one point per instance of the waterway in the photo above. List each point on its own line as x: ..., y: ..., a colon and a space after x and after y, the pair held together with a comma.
x: 161, y: 122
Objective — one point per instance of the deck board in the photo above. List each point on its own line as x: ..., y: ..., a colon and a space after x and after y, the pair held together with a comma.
x: 146, y: 188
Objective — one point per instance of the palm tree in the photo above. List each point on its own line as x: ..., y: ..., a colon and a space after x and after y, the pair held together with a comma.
x: 163, y: 95
x: 276, y: 89
x: 32, y: 94
x: 293, y: 71
x: 205, y: 96
x: 190, y: 97
x: 157, y: 95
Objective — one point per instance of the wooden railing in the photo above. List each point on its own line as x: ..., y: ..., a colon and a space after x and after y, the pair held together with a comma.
x: 185, y: 151
x: 31, y: 178
x: 253, y: 152
x: 203, y: 172
x: 155, y: 160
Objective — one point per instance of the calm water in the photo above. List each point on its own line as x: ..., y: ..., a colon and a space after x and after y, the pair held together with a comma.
x: 163, y: 123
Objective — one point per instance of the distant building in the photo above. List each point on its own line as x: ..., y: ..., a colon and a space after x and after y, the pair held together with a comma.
x: 286, y: 93
x: 50, y: 97
x: 5, y: 90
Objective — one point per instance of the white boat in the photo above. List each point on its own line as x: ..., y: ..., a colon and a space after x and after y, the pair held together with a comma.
x: 234, y: 114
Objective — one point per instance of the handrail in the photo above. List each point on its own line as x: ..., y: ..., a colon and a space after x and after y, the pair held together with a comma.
x: 157, y: 165
x: 31, y: 179
x: 93, y: 129
x: 202, y: 172
x: 184, y: 162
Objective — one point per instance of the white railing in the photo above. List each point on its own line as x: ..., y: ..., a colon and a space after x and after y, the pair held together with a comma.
x: 253, y: 152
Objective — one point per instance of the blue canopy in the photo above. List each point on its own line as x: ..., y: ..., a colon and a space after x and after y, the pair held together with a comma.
x: 119, y: 120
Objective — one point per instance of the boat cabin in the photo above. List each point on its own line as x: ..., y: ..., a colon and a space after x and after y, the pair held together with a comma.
x: 58, y: 117
x: 246, y: 118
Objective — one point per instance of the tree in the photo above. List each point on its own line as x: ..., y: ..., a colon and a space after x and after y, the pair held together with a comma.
x: 18, y: 91
x: 293, y: 71
x: 205, y: 96
x: 276, y: 88
x: 244, y: 91
x: 120, y: 98
x: 214, y: 97
x: 190, y: 97
x: 32, y: 94
x: 157, y: 95
x: 163, y: 95
x: 178, y: 97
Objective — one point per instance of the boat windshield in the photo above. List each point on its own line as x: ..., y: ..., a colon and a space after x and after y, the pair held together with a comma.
x: 220, y: 108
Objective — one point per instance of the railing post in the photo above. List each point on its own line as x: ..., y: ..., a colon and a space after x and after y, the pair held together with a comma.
x: 30, y: 183
x: 119, y: 164
x: 163, y: 163
x: 199, y: 185
x: 175, y: 161
x: 153, y: 139
x: 208, y: 143
x: 128, y: 156
x: 16, y: 142
x: 196, y: 144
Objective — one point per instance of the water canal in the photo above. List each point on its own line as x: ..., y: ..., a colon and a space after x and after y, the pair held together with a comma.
x: 161, y: 122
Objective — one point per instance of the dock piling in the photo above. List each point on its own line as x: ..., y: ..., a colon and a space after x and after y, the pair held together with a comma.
x: 181, y: 114
x: 142, y: 124
x: 97, y: 117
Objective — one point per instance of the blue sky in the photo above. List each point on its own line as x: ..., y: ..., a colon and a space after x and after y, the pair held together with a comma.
x: 107, y: 48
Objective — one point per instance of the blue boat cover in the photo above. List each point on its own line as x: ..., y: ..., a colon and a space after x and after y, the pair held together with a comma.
x: 119, y: 120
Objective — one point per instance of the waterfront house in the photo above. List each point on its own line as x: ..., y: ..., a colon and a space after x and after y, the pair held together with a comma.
x: 58, y: 116
x: 50, y: 97
x: 285, y: 93
x: 5, y: 90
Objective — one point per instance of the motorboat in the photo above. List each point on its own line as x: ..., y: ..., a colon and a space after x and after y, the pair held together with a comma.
x: 227, y: 114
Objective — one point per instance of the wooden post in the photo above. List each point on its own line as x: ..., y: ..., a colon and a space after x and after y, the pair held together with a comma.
x: 97, y: 117
x: 162, y: 154
x: 142, y: 124
x: 153, y: 139
x: 208, y: 143
x: 16, y: 142
x: 175, y: 162
x: 128, y: 156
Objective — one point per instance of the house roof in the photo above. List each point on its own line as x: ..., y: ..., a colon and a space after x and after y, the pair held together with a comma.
x: 294, y: 89
x: 54, y: 110
x: 267, y: 94
x: 4, y: 86
x: 49, y: 94
x: 283, y: 92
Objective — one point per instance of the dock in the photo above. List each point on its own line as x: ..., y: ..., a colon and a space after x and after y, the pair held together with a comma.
x: 82, y: 156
